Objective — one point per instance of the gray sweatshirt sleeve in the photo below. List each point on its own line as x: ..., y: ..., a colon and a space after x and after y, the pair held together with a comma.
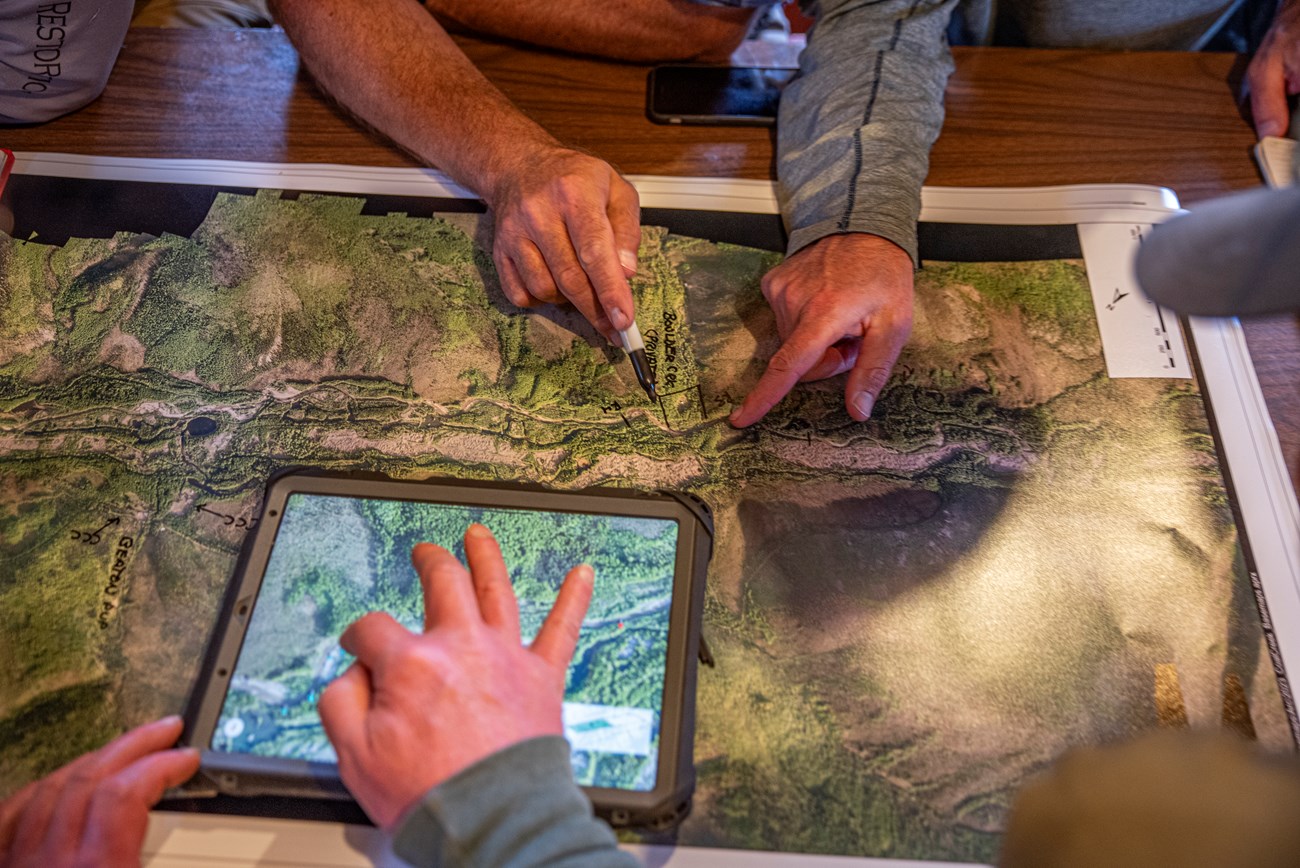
x: 55, y: 55
x: 518, y: 808
x: 856, y: 125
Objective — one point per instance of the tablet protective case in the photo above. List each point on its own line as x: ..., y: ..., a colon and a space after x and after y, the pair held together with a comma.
x: 231, y: 777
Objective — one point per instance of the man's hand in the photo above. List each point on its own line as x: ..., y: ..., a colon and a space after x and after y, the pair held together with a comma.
x: 419, y: 707
x: 568, y: 227
x: 843, y: 303
x: 1274, y: 72
x: 95, y: 810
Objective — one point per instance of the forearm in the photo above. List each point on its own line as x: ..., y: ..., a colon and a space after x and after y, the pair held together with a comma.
x: 636, y: 30
x: 856, y: 126
x: 518, y: 808
x: 394, y: 67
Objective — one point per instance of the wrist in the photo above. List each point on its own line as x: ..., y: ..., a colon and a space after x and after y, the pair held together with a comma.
x: 852, y: 245
x: 494, y: 805
x: 514, y: 163
x: 901, y: 232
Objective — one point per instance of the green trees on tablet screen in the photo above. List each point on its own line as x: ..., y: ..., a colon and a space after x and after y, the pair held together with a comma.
x: 625, y: 634
x: 338, y: 598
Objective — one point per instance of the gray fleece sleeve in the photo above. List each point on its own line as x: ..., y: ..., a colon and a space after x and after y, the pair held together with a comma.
x: 857, y: 123
x: 55, y: 55
x: 519, y: 808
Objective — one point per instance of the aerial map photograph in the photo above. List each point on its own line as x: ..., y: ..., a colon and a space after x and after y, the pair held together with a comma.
x: 907, y: 617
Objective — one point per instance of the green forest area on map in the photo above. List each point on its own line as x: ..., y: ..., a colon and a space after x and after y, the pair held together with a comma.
x: 909, y: 616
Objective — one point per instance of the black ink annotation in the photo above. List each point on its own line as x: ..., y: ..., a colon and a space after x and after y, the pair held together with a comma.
x: 229, y: 520
x: 661, y: 351
x: 116, y: 571
x: 94, y: 537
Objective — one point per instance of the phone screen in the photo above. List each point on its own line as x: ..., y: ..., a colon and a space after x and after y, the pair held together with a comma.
x: 716, y: 93
x: 335, y: 558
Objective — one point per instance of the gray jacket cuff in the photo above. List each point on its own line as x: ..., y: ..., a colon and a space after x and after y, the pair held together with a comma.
x: 857, y: 123
x: 518, y: 808
x: 901, y: 232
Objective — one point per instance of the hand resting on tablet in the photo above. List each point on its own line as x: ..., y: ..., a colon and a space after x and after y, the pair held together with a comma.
x: 417, y: 708
x: 94, y: 810
x: 453, y: 738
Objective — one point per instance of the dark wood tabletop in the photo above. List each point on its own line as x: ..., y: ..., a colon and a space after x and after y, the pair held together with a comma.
x: 1015, y: 117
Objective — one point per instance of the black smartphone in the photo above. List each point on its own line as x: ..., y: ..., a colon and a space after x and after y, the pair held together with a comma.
x: 727, y: 95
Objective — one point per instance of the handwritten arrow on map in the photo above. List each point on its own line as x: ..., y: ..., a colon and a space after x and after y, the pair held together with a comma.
x: 229, y: 519
x: 93, y: 537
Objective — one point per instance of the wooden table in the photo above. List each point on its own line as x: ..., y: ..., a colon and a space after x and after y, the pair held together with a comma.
x: 1015, y: 117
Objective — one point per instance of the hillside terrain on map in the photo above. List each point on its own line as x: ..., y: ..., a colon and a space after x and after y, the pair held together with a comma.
x: 909, y: 616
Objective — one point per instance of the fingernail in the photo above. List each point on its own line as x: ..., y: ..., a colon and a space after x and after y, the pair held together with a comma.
x: 585, y: 572
x: 735, y: 414
x: 478, y: 531
x: 1270, y: 128
x: 169, y: 720
x: 618, y: 318
x: 863, y: 402
x: 628, y: 258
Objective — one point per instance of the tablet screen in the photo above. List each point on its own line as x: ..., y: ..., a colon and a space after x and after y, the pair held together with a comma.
x: 336, y: 558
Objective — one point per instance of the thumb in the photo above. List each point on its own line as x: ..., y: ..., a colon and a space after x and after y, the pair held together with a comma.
x: 343, y: 707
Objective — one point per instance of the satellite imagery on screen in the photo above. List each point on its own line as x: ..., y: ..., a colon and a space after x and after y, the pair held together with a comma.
x: 336, y: 558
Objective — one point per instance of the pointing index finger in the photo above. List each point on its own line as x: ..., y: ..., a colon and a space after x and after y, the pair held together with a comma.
x: 805, y: 347
x: 448, y: 595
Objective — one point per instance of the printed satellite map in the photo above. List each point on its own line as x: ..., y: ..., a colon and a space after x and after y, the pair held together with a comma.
x: 908, y: 616
x: 336, y: 558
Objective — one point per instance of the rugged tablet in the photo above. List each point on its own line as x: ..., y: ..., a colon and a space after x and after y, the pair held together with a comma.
x: 329, y: 548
